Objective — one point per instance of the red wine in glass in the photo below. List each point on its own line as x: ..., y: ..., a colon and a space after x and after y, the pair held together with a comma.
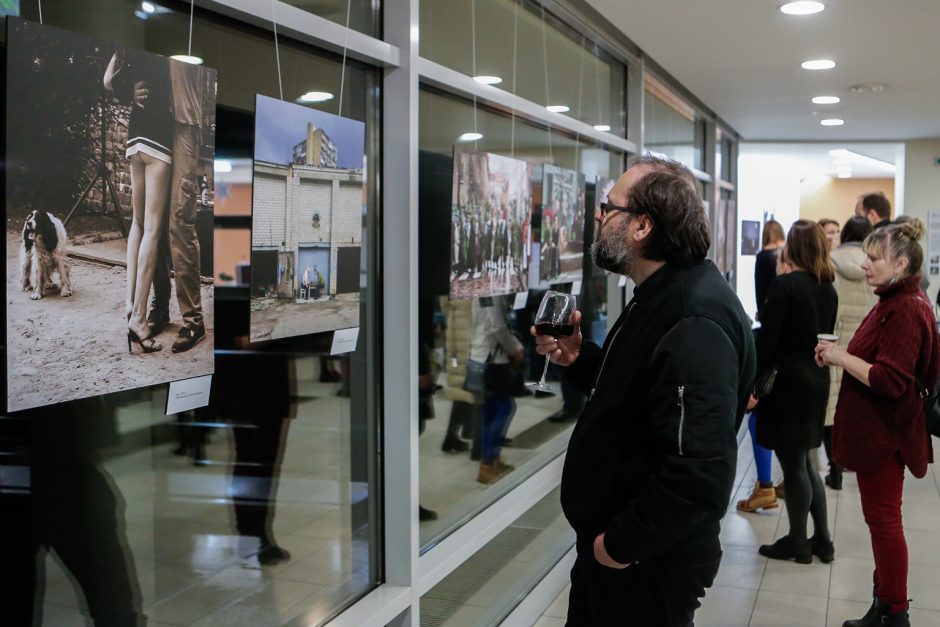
x: 553, y: 318
x: 555, y: 330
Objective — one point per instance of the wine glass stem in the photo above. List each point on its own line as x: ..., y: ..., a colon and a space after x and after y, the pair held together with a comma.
x: 544, y: 370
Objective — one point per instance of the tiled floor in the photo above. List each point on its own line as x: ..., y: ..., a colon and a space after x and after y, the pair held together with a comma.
x: 752, y: 591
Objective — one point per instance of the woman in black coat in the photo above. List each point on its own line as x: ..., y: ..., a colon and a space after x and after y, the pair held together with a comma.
x: 800, y: 305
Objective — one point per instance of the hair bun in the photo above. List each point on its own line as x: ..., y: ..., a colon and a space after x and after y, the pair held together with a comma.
x: 912, y: 228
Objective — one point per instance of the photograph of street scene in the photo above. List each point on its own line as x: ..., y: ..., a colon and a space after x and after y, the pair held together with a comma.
x: 561, y: 236
x: 308, y: 207
x: 490, y: 222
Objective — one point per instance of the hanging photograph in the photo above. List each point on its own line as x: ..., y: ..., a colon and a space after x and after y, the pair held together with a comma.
x: 308, y: 207
x: 490, y: 221
x: 750, y: 237
x: 109, y: 205
x: 561, y: 233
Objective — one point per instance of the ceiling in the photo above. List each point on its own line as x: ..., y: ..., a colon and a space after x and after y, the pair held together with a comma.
x: 863, y: 161
x: 742, y: 59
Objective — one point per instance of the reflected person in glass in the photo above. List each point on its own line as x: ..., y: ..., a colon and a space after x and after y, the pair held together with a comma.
x: 651, y: 463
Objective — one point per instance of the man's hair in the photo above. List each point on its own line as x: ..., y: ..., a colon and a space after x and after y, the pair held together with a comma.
x: 877, y: 202
x: 856, y: 229
x: 773, y: 233
x: 669, y: 195
x: 808, y: 249
x: 826, y: 221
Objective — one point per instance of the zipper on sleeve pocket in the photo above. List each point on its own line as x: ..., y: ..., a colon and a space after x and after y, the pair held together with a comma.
x: 681, y: 404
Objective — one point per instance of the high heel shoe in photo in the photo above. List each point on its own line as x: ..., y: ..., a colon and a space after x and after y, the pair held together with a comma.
x: 147, y: 343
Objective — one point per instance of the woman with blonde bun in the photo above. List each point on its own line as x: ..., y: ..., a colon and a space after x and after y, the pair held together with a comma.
x: 880, y: 424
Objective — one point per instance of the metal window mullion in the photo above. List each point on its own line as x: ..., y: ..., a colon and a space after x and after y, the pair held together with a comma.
x: 400, y: 302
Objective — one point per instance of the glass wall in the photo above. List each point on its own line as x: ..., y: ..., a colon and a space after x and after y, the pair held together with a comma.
x: 672, y: 128
x: 485, y: 588
x: 459, y: 443
x: 530, y: 53
x: 262, y: 508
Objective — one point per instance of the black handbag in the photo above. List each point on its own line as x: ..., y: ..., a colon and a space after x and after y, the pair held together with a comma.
x: 476, y: 374
x: 765, y: 382
x: 931, y: 407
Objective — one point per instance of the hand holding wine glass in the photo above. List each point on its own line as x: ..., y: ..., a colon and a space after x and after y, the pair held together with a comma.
x: 557, y: 332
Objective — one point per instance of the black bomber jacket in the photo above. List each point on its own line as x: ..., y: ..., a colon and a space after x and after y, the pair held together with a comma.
x: 652, y: 458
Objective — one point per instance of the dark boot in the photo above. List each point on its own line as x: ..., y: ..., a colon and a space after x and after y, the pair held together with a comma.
x: 834, y: 478
x: 825, y: 551
x: 879, y: 615
x: 787, y: 549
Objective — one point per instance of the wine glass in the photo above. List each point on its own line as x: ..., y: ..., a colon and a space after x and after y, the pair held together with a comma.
x: 553, y: 318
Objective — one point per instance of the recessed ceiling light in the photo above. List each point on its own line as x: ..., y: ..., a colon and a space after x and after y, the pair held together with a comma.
x: 604, y: 128
x: 818, y: 64
x: 488, y: 80
x: 832, y: 122
x: 558, y: 108
x: 147, y: 7
x: 316, y: 96
x: 826, y: 100
x: 222, y: 165
x: 470, y: 137
x: 187, y: 58
x: 844, y: 175
x: 802, y: 8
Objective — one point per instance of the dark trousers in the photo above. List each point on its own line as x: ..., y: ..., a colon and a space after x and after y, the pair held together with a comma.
x: 643, y: 595
x: 259, y: 448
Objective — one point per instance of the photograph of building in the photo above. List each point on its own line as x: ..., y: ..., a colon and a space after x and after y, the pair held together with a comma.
x: 307, y: 217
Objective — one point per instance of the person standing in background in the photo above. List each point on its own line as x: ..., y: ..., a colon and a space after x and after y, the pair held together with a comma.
x: 856, y: 298
x: 880, y: 421
x: 801, y: 305
x: 765, y: 267
x: 831, y: 229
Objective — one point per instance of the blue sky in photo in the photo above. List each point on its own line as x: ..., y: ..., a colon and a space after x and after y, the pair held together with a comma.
x: 280, y: 125
x: 9, y: 7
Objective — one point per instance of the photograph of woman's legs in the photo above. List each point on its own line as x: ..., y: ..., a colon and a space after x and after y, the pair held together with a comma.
x: 150, y: 179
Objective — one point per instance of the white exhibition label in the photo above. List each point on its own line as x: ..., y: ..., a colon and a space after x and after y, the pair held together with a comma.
x: 622, y: 282
x: 576, y: 288
x: 188, y: 394
x: 521, y: 298
x: 344, y: 341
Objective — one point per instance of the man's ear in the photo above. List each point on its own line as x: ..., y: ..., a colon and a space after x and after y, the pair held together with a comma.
x: 644, y: 227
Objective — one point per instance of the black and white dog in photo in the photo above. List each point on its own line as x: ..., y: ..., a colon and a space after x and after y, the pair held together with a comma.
x: 42, y: 253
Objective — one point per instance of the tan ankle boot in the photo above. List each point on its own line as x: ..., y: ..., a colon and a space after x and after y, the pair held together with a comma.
x: 490, y: 472
x: 761, y: 498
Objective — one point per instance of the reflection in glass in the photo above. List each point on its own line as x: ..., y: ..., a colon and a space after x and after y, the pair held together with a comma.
x: 258, y: 510
x: 485, y: 588
x: 534, y: 54
x: 522, y: 430
x: 672, y: 128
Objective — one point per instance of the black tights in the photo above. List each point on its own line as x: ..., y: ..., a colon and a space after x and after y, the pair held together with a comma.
x: 805, y: 494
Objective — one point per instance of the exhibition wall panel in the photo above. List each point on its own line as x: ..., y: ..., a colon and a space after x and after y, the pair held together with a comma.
x: 262, y: 508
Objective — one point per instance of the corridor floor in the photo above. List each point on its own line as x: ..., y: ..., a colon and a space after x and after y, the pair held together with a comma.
x: 752, y: 591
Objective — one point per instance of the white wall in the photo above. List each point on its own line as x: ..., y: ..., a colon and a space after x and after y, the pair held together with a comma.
x: 921, y: 187
x: 766, y: 183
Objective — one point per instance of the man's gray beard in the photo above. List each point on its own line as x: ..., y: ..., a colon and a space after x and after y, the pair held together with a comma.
x: 611, y: 252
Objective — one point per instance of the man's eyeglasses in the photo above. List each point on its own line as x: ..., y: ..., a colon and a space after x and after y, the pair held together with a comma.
x: 606, y: 208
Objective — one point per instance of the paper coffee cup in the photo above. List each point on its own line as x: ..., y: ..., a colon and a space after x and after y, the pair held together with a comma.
x: 827, y: 337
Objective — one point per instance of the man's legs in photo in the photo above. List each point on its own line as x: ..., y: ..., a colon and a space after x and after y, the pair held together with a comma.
x: 184, y: 244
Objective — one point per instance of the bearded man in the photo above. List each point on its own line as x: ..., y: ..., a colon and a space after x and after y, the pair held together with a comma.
x: 651, y: 462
